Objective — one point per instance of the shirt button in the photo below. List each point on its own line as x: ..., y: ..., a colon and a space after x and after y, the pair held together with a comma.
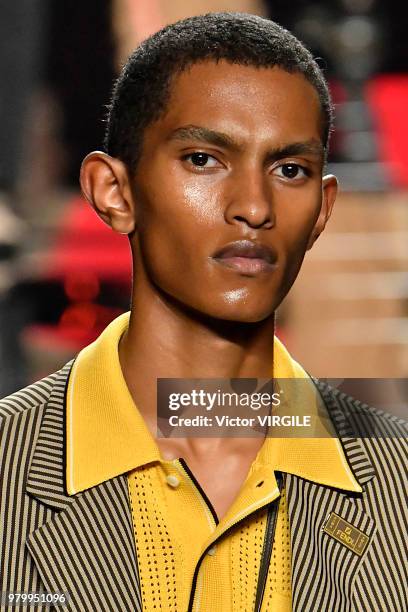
x: 211, y: 551
x: 173, y: 481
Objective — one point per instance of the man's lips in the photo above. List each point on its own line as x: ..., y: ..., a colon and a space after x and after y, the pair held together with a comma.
x: 247, y: 257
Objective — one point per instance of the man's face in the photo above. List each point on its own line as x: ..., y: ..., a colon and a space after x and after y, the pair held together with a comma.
x: 228, y: 189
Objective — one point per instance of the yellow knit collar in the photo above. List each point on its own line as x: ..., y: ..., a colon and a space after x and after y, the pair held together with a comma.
x: 107, y: 436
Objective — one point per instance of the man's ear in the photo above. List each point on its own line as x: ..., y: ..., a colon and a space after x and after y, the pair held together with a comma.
x: 329, y: 192
x: 105, y: 184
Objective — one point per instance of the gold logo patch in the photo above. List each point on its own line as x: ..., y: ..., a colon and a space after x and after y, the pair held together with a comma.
x: 346, y: 534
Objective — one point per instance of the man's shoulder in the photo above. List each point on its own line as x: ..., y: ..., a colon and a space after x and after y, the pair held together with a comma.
x: 33, y: 396
x: 357, y: 418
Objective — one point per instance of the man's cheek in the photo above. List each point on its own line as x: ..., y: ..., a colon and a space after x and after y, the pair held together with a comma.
x: 167, y: 256
x: 295, y: 239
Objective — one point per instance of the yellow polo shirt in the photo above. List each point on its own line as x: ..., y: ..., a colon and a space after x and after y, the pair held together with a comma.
x: 179, y: 540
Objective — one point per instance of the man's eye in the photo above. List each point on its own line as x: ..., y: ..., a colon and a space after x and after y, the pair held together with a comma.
x: 202, y: 160
x: 292, y: 171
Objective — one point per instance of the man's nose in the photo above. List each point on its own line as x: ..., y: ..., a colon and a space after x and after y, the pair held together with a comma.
x: 249, y: 201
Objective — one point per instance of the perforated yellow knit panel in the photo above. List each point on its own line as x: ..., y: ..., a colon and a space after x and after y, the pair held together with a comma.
x: 246, y: 549
x: 159, y: 567
x: 278, y: 590
x: 172, y: 526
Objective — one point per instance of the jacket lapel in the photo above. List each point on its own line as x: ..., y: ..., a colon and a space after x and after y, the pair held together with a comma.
x: 324, y: 568
x: 87, y: 550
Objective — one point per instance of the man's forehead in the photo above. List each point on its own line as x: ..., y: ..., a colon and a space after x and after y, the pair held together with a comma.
x: 249, y: 93
x: 209, y: 74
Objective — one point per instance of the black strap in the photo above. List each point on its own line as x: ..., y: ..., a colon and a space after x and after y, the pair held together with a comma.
x: 267, y: 547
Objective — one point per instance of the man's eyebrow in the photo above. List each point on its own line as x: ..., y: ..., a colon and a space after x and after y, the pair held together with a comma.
x: 307, y: 147
x: 195, y: 132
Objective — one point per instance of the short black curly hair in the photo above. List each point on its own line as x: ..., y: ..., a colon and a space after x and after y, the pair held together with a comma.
x: 142, y: 90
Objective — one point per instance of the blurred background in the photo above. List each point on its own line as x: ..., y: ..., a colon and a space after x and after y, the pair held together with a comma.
x: 64, y: 275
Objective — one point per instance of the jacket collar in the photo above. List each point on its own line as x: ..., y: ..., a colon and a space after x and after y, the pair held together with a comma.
x: 46, y: 476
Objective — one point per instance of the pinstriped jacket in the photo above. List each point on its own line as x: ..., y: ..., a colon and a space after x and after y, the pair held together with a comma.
x: 84, y: 544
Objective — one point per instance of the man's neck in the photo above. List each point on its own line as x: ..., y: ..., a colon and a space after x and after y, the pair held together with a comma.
x: 165, y: 341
